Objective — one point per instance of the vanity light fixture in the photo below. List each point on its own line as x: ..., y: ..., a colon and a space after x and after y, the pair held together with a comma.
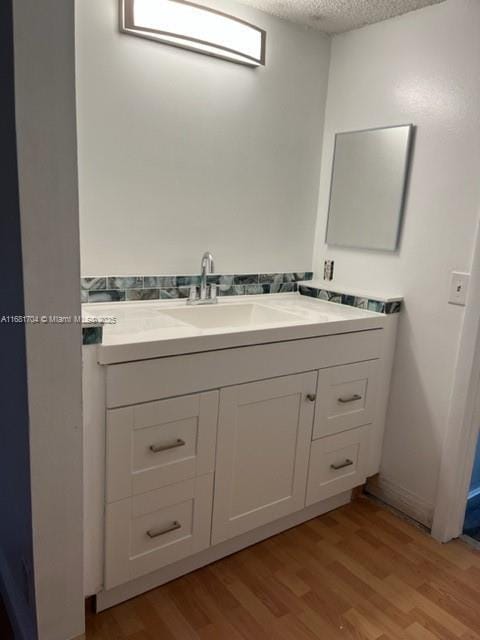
x: 191, y: 26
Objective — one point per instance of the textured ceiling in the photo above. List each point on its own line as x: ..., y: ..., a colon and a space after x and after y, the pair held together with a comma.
x: 337, y: 16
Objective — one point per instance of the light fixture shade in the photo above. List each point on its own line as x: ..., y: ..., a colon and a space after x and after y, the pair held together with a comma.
x: 191, y: 26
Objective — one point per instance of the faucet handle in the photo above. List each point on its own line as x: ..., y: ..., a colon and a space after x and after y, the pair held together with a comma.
x: 193, y: 293
x: 213, y: 291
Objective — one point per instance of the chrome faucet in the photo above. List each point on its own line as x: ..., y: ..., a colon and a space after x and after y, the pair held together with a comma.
x: 208, y: 293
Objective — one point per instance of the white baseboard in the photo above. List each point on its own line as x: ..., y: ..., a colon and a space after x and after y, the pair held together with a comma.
x: 405, y: 501
x: 107, y: 599
x: 14, y: 601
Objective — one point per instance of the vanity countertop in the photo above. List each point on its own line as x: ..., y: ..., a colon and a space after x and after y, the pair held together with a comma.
x: 144, y: 330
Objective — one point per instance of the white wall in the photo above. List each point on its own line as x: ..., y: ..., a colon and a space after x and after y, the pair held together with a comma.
x: 47, y: 167
x: 180, y: 153
x: 420, y: 68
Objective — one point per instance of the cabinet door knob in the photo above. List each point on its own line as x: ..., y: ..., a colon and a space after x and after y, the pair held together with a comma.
x: 311, y: 397
x: 157, y: 448
x: 155, y: 533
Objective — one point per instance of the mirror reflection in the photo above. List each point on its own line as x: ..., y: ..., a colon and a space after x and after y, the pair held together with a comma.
x: 367, y: 194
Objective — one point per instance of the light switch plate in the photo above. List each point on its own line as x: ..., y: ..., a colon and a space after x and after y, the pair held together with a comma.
x: 459, y: 288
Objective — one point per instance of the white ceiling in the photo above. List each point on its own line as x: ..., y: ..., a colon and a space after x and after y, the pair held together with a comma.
x: 337, y: 16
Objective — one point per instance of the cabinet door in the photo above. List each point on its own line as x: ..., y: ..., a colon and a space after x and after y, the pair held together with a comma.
x: 263, y: 445
x: 159, y: 443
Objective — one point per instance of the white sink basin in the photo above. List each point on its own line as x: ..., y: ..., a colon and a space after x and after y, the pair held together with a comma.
x: 145, y: 330
x: 230, y: 315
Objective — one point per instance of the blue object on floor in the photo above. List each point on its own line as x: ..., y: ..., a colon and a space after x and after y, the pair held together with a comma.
x: 471, y: 526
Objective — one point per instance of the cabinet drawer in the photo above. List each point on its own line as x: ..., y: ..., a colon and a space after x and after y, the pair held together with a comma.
x: 337, y: 463
x: 147, y: 532
x: 156, y: 444
x: 346, y: 397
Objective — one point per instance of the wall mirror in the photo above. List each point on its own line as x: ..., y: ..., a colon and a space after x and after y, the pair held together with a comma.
x: 367, y: 193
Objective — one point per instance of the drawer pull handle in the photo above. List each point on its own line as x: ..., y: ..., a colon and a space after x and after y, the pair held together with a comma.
x: 350, y: 399
x: 341, y: 465
x: 155, y: 533
x: 157, y: 448
x: 311, y: 397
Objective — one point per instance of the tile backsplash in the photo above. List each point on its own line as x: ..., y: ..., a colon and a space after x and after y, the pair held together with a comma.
x: 360, y: 302
x: 122, y: 288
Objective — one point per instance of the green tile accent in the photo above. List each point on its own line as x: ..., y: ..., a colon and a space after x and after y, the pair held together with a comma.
x: 352, y: 301
x: 164, y: 287
x: 92, y: 335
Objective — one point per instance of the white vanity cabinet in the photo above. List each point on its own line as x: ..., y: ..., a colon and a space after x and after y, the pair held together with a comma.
x: 209, y: 452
